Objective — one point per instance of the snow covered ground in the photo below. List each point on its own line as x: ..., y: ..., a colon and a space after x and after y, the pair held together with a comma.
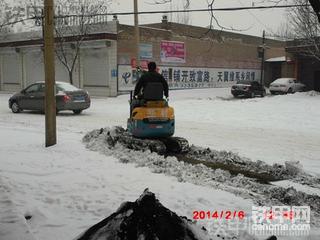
x: 67, y: 188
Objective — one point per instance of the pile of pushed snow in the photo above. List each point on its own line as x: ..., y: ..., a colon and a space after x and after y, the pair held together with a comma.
x: 146, y: 218
x: 294, y: 168
x: 313, y: 93
x: 235, y: 163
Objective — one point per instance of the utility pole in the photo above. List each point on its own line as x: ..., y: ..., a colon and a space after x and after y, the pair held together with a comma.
x: 262, y: 58
x: 49, y: 69
x: 136, y: 32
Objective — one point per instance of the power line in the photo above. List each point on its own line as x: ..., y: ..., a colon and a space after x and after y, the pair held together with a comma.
x: 187, y: 10
x: 254, y: 16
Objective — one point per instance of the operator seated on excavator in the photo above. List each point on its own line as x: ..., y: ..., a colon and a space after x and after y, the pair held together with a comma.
x: 150, y: 87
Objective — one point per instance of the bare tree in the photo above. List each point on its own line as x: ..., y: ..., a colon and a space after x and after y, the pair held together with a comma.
x: 73, y: 22
x: 214, y: 22
x: 2, y: 14
x: 306, y: 29
x: 315, y: 4
x: 72, y: 30
x: 5, y: 26
x: 284, y: 32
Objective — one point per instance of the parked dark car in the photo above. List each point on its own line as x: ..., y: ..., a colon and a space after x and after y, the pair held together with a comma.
x: 68, y: 97
x: 248, y: 89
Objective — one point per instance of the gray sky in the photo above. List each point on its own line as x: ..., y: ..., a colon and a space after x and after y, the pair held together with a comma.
x: 253, y: 22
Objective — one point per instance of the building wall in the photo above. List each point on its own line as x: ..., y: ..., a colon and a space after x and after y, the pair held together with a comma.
x: 199, y: 52
x: 287, y: 69
x: 21, y: 60
x: 11, y: 70
x: 20, y: 67
x: 209, y: 53
x: 309, y: 73
x: 98, y: 66
x: 220, y: 48
x: 306, y: 67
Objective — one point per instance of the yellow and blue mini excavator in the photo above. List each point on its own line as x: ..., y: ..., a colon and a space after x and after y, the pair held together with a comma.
x: 151, y: 123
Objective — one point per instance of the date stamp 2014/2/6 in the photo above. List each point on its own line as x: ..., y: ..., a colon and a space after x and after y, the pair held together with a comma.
x: 227, y: 215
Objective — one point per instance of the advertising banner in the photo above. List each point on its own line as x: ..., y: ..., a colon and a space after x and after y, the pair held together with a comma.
x: 188, y: 77
x: 145, y: 51
x: 172, y: 52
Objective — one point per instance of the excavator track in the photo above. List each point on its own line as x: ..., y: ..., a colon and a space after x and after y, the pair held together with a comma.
x: 175, y: 145
x: 162, y: 146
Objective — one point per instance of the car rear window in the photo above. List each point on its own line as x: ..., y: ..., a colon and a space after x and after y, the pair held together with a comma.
x: 244, y: 82
x: 66, y: 87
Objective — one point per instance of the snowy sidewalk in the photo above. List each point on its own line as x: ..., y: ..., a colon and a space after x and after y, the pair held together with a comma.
x: 67, y: 188
x: 13, y: 225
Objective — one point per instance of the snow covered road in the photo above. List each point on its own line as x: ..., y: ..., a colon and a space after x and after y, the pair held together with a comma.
x: 67, y: 188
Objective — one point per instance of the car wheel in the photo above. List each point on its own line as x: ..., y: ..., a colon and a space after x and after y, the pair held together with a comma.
x: 235, y: 95
x: 290, y: 90
x: 263, y: 94
x: 77, y: 111
x: 15, y: 108
x: 272, y: 92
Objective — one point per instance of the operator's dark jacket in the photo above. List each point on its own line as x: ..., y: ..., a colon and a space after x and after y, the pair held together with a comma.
x: 151, y: 76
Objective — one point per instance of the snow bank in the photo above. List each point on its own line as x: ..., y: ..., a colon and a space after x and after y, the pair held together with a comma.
x: 313, y: 93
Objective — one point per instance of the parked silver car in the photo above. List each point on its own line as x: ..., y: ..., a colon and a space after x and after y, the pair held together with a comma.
x: 68, y: 97
x: 286, y: 85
